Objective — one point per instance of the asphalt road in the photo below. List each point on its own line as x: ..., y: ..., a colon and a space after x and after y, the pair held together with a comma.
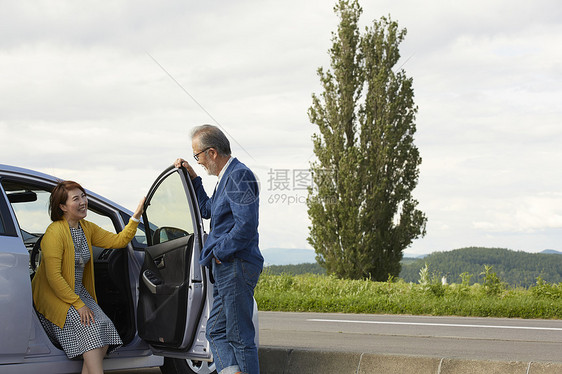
x: 501, y: 339
x: 451, y: 337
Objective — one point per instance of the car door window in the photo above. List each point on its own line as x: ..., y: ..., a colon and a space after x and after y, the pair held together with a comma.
x: 101, y: 220
x: 169, y: 211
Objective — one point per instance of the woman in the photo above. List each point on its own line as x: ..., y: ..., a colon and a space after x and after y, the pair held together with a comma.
x: 63, y: 287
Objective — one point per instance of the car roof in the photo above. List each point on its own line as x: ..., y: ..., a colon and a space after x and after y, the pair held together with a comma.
x: 26, y: 172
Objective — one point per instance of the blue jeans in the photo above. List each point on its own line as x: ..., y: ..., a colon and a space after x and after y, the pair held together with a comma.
x: 230, y: 330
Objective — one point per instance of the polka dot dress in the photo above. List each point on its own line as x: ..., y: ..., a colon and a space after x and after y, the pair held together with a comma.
x: 74, y: 337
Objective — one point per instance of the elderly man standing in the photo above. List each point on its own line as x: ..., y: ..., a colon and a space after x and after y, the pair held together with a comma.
x: 231, y: 249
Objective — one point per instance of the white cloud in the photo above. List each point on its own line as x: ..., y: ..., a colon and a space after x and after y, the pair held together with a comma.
x: 83, y: 100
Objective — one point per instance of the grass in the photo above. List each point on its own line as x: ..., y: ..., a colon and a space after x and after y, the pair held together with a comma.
x: 321, y: 293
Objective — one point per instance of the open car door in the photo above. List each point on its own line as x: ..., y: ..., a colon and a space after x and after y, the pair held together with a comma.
x: 172, y: 284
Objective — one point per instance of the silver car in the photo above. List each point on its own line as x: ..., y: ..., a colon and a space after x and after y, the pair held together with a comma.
x: 154, y: 290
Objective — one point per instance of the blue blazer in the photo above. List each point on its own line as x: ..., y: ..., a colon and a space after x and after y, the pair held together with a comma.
x: 234, y: 213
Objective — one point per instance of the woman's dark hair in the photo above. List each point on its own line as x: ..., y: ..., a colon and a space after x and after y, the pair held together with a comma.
x: 59, y: 195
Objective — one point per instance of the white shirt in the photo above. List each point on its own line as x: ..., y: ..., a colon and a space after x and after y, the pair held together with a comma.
x: 224, y: 169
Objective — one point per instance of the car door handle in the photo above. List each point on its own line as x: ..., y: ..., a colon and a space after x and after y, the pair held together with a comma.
x: 151, y: 280
x: 159, y: 262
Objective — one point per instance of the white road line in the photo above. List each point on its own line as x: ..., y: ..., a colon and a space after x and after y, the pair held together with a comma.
x: 438, y: 324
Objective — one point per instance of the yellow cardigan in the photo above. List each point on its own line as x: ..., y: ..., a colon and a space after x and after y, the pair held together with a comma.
x: 53, y: 283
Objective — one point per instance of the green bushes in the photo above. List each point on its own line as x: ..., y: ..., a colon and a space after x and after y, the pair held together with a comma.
x: 546, y: 290
x: 320, y: 293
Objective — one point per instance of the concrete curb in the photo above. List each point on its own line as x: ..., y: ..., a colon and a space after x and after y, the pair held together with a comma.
x: 292, y: 361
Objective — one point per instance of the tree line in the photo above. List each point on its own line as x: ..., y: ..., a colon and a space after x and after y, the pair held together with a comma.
x: 515, y: 268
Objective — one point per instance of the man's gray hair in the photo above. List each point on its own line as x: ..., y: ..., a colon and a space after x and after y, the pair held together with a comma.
x: 212, y: 137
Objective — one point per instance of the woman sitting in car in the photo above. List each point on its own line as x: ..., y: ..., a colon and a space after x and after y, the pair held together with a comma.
x: 63, y: 287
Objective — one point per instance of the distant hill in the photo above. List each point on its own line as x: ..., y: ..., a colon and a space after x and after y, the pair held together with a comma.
x: 551, y: 251
x: 307, y: 268
x: 408, y: 260
x: 288, y: 256
x: 516, y: 268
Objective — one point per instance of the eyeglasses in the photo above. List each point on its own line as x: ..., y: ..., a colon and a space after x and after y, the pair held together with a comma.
x: 196, y: 156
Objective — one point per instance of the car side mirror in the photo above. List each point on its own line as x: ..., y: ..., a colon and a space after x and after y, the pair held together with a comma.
x: 165, y: 234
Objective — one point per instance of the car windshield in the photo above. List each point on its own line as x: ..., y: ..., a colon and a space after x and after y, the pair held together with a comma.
x: 31, y: 207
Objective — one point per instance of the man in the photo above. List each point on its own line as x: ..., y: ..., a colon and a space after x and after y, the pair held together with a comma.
x: 231, y: 249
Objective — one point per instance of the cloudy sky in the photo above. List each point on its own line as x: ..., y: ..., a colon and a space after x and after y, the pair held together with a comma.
x: 106, y: 93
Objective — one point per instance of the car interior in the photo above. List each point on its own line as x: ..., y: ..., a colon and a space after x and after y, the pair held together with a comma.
x: 111, y: 268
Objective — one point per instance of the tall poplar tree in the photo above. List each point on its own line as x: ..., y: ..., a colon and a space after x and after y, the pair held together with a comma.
x: 362, y: 211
